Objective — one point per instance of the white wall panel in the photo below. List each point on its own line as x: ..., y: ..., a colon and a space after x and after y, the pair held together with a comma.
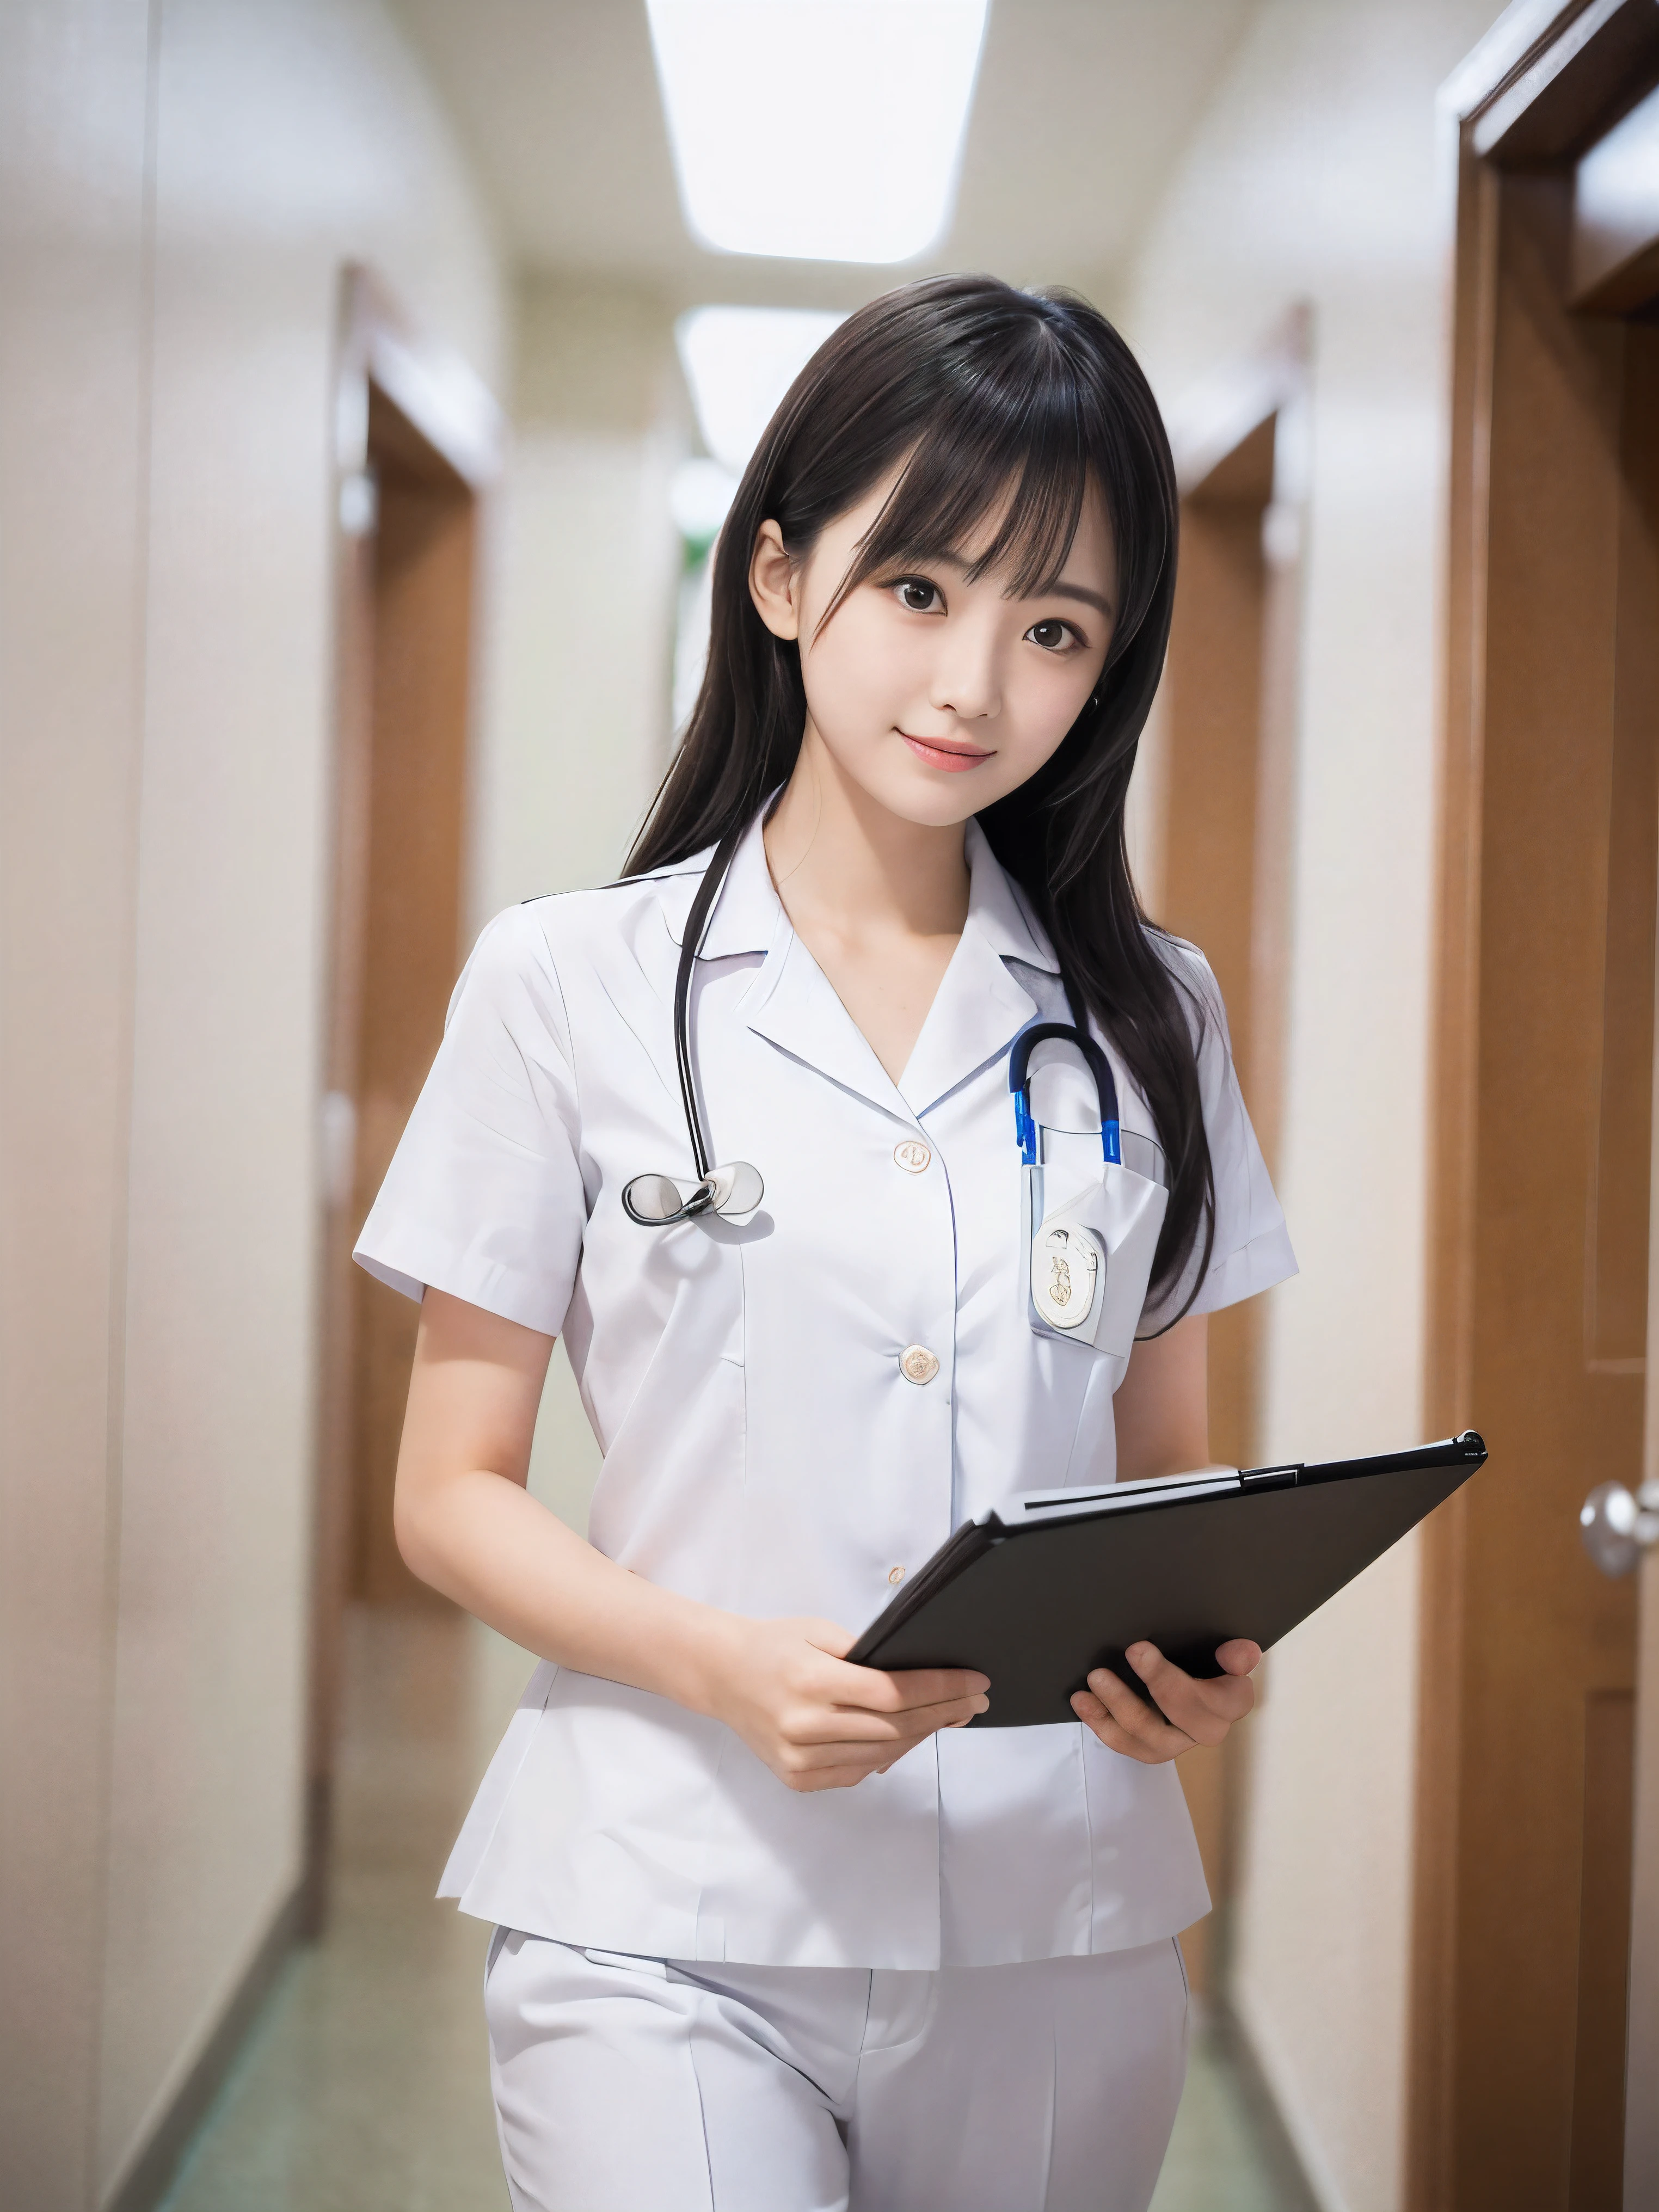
x: 290, y: 136
x: 586, y: 564
x: 74, y: 78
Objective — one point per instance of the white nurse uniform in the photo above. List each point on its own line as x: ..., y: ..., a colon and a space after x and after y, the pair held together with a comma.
x: 768, y: 1447
x: 707, y: 1991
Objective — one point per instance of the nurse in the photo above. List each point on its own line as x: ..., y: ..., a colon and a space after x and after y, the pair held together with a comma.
x: 775, y: 1932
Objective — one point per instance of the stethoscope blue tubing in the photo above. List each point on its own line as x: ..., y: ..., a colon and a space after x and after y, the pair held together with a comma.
x: 1019, y: 1082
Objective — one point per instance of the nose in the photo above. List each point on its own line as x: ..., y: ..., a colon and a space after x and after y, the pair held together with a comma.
x: 967, y: 679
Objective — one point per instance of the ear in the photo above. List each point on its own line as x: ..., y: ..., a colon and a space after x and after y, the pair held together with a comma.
x: 773, y: 583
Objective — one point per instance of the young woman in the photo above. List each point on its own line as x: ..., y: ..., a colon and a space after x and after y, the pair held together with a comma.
x: 774, y: 1931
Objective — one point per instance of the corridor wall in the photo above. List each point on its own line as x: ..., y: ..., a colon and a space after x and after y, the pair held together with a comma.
x: 1314, y: 178
x: 587, y: 559
x: 180, y: 184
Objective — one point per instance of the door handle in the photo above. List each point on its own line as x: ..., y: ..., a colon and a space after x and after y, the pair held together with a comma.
x: 1617, y: 1525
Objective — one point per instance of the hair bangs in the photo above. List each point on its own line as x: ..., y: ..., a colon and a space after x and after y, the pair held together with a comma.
x: 1009, y: 456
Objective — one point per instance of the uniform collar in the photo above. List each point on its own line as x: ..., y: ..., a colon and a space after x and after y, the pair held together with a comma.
x: 980, y: 1007
x: 748, y: 910
x: 998, y: 909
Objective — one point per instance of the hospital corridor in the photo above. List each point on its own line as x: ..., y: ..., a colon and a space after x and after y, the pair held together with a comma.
x: 449, y: 902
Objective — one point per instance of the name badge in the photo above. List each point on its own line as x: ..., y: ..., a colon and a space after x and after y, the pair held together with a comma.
x: 1089, y: 1245
x: 1065, y: 1268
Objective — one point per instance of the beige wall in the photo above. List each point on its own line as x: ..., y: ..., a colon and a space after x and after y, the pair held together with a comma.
x: 183, y: 183
x: 73, y: 349
x: 1316, y: 176
x: 587, y: 564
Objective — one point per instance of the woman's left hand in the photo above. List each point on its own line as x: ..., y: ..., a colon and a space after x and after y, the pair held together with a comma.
x: 1190, y: 1710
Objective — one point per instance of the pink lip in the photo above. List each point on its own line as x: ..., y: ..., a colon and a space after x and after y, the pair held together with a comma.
x: 951, y: 758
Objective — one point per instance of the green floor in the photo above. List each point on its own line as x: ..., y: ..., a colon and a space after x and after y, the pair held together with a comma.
x: 1218, y: 2160
x: 363, y: 2087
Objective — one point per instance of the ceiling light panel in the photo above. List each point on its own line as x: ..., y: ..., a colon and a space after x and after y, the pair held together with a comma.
x: 739, y: 361
x: 817, y: 130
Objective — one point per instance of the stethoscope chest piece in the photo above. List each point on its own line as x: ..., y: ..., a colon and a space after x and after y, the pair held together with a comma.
x: 656, y: 1201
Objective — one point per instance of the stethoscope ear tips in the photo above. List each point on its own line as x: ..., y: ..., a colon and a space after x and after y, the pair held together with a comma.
x: 656, y: 1201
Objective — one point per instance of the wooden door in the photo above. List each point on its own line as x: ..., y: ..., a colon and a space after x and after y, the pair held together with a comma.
x: 420, y: 622
x: 1212, y: 726
x: 1224, y: 736
x: 1539, y: 1322
x: 417, y: 445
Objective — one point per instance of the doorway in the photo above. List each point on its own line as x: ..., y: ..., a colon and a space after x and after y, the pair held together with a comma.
x: 1224, y: 745
x: 421, y: 536
x: 1543, y: 1117
x: 419, y: 444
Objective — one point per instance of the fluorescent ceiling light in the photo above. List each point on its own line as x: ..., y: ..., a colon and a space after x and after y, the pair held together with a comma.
x: 739, y: 361
x: 817, y: 130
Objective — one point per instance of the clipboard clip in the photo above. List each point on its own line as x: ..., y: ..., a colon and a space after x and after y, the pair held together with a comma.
x: 1270, y: 1478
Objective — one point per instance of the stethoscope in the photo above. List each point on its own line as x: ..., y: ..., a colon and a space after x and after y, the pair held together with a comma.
x: 657, y: 1201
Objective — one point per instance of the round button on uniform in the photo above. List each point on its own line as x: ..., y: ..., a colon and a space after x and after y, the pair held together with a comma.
x: 912, y: 1155
x: 895, y: 1573
x: 917, y: 1364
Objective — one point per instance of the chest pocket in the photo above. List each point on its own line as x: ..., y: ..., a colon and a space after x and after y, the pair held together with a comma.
x: 1089, y: 1253
x: 1093, y: 1196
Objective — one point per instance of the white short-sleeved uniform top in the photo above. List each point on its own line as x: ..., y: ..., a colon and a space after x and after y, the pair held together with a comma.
x: 764, y: 1450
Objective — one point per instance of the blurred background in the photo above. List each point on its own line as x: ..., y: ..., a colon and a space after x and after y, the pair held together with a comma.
x: 374, y: 376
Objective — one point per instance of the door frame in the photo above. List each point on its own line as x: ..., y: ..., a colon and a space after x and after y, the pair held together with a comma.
x: 380, y: 348
x: 1207, y: 424
x: 1213, y: 427
x: 1541, y: 83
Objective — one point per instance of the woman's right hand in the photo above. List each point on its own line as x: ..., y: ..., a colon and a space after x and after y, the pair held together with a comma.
x: 466, y: 1525
x: 820, y: 1723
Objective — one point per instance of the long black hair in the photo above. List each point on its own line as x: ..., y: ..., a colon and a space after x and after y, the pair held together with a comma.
x: 977, y: 388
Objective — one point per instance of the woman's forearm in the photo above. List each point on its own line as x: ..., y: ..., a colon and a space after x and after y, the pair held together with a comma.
x: 482, y: 1540
x: 1162, y: 1410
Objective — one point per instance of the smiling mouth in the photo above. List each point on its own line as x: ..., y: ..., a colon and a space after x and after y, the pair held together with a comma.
x: 940, y: 752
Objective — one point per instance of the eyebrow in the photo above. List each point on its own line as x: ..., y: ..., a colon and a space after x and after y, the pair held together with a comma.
x: 1050, y: 591
x: 1073, y: 591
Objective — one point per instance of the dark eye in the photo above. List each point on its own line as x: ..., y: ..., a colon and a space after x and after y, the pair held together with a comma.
x: 1050, y: 635
x: 917, y: 594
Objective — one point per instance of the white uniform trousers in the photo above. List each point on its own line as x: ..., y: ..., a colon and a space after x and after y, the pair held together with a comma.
x: 646, y: 2085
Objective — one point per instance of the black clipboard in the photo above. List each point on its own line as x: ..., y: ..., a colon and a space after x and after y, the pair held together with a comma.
x: 1185, y: 1562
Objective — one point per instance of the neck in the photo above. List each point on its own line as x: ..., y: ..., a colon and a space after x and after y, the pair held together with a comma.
x: 838, y: 855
